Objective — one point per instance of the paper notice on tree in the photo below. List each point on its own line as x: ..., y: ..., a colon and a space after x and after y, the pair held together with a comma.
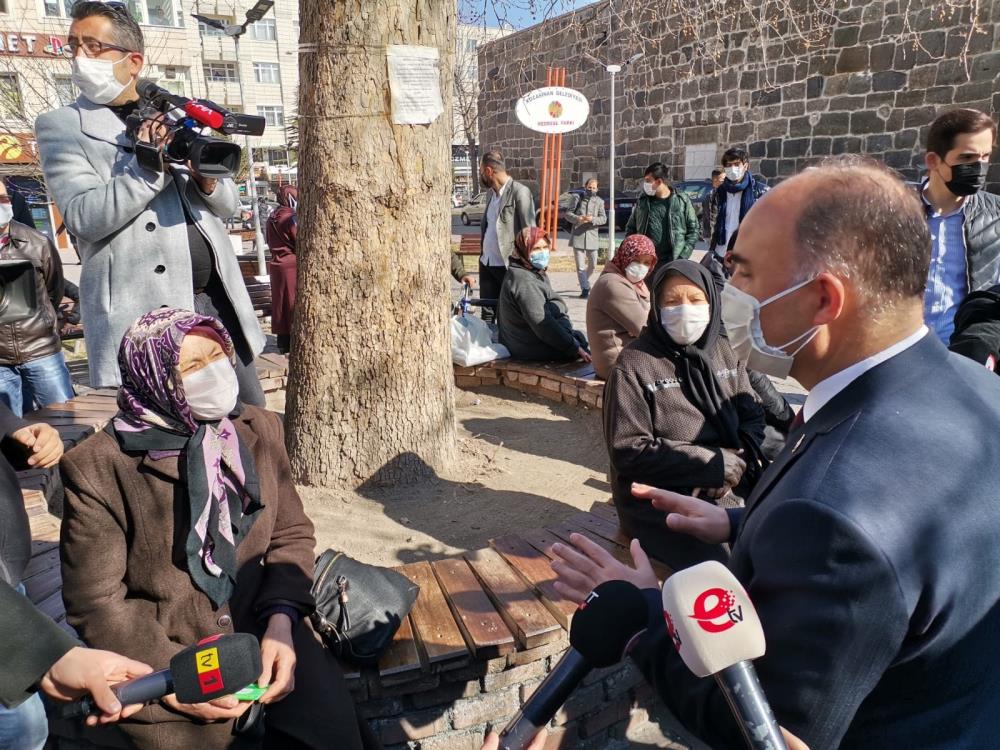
x: 414, y: 84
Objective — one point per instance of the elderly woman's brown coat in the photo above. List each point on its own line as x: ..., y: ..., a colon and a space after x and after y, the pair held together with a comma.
x: 127, y: 588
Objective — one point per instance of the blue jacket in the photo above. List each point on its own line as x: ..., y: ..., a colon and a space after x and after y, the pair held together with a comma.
x: 870, y: 550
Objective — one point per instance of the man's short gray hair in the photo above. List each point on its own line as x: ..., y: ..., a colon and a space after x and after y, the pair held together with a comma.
x: 862, y: 222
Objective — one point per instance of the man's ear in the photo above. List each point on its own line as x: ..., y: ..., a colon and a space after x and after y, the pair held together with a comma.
x: 932, y: 160
x: 832, y: 296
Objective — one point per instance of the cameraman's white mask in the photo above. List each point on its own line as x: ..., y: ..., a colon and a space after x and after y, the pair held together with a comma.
x: 96, y: 78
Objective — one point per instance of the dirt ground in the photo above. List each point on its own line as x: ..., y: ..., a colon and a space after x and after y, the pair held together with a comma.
x: 522, y: 463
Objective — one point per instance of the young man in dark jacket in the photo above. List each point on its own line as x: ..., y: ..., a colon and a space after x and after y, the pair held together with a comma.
x: 734, y: 197
x: 33, y: 371
x: 964, y: 219
x: 665, y: 215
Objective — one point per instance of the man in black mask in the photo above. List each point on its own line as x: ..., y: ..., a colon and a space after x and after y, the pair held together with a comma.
x: 964, y: 219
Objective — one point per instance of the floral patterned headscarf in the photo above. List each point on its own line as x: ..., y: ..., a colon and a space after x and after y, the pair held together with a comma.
x: 154, y: 418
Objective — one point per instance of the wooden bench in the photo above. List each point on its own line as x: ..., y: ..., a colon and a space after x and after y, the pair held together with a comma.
x: 573, y: 383
x: 470, y: 244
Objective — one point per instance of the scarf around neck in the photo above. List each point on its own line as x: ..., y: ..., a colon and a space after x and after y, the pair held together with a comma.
x: 748, y: 186
x: 223, y: 490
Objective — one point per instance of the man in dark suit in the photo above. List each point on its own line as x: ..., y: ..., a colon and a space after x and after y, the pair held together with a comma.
x: 869, y: 546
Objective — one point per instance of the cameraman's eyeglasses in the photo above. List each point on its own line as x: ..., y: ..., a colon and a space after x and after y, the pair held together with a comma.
x: 91, y: 47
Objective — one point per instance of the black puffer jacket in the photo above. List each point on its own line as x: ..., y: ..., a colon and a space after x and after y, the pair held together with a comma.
x: 38, y: 335
x: 982, y: 239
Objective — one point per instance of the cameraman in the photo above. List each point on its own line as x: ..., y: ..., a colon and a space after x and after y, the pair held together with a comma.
x: 147, y: 239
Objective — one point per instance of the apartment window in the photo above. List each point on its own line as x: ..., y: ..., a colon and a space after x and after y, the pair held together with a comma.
x: 273, y: 115
x: 221, y: 71
x: 174, y: 79
x: 58, y: 8
x: 276, y: 157
x: 66, y: 92
x: 10, y: 96
x: 206, y: 30
x: 264, y: 30
x: 149, y: 12
x: 266, y: 72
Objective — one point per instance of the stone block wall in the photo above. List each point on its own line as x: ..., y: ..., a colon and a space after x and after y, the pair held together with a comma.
x: 878, y: 74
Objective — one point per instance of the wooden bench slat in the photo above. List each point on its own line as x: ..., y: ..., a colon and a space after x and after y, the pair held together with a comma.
x: 601, y: 526
x: 486, y: 634
x: 617, y: 551
x: 605, y: 510
x: 534, y: 568
x: 525, y: 615
x: 402, y: 655
x: 434, y: 625
x: 542, y: 540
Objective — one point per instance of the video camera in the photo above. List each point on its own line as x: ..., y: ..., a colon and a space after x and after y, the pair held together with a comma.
x: 211, y: 157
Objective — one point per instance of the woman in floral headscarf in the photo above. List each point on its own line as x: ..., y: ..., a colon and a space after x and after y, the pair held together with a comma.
x: 619, y: 302
x: 181, y: 521
x: 534, y: 321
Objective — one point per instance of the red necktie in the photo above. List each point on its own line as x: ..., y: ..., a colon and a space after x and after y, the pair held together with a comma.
x: 799, y: 420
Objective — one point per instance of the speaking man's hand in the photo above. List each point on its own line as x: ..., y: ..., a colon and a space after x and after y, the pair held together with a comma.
x: 688, y: 515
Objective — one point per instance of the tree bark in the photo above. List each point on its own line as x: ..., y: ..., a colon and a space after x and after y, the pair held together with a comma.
x: 370, y: 395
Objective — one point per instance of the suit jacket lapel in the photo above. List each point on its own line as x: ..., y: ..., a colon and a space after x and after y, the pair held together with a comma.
x: 97, y: 121
x: 867, y: 388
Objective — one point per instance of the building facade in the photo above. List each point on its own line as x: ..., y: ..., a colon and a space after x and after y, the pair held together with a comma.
x: 867, y: 79
x: 183, y: 55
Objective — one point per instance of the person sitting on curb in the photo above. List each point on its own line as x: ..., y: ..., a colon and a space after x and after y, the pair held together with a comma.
x: 534, y: 320
x: 619, y: 306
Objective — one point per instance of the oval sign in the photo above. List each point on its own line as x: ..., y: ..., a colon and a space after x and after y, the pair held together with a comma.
x: 553, y: 109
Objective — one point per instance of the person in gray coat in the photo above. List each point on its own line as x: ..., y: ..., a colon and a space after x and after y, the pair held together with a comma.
x: 585, y: 218
x: 534, y: 321
x: 510, y: 210
x: 146, y: 239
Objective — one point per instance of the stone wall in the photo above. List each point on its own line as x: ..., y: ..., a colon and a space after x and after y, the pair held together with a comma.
x: 881, y: 72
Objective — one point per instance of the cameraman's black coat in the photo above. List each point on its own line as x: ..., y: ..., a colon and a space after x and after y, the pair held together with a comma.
x: 38, y: 335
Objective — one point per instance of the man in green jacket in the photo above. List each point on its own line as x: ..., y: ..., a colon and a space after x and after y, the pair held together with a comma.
x: 665, y: 215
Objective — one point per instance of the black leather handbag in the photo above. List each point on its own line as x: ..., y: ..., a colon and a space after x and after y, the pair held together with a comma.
x: 359, y: 607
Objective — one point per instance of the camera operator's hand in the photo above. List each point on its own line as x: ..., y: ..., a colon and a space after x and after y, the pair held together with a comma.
x: 155, y: 132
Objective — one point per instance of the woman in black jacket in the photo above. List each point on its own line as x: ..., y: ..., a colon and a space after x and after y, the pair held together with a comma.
x: 679, y: 414
x: 533, y: 319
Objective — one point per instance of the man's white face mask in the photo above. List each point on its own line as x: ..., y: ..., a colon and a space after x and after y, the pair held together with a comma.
x: 741, y: 317
x: 96, y: 78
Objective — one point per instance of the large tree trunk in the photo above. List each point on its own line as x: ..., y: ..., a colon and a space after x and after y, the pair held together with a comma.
x: 370, y: 393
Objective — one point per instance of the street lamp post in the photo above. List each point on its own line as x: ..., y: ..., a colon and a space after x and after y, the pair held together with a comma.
x: 257, y: 12
x: 612, y: 226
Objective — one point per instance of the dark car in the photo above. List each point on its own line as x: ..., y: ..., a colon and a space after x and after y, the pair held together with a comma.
x: 699, y: 191
x: 624, y: 203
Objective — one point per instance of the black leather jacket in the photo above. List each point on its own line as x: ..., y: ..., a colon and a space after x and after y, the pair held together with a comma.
x: 38, y: 335
x: 982, y: 239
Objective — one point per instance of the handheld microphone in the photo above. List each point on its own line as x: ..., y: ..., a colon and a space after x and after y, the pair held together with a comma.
x: 214, y: 667
x: 604, y: 629
x: 717, y: 632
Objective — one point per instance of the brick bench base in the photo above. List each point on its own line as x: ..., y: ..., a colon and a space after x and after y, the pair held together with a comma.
x: 570, y: 383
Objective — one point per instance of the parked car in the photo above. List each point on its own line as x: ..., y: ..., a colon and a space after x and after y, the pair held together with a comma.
x: 699, y: 191
x: 624, y: 203
x: 475, y: 209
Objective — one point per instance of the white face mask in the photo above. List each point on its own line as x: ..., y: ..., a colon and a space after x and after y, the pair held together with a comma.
x: 211, y: 391
x: 6, y: 214
x: 648, y: 188
x: 734, y: 174
x: 685, y: 323
x: 741, y: 317
x: 96, y: 78
x: 636, y: 271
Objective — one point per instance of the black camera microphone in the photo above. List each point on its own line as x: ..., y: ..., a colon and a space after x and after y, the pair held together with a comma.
x: 603, y: 631
x: 202, y: 111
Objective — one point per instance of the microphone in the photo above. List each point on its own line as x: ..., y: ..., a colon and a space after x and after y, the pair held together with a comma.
x: 202, y: 111
x: 604, y: 629
x: 214, y: 667
x: 717, y: 632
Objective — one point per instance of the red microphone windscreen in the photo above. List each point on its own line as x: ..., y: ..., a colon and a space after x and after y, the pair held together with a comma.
x: 204, y: 115
x: 605, y: 624
x: 216, y: 666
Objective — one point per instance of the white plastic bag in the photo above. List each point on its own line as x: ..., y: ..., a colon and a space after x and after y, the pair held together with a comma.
x: 471, y: 343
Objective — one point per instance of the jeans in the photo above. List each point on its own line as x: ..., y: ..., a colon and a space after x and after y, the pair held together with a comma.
x: 35, y: 384
x: 586, y: 262
x: 24, y: 727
